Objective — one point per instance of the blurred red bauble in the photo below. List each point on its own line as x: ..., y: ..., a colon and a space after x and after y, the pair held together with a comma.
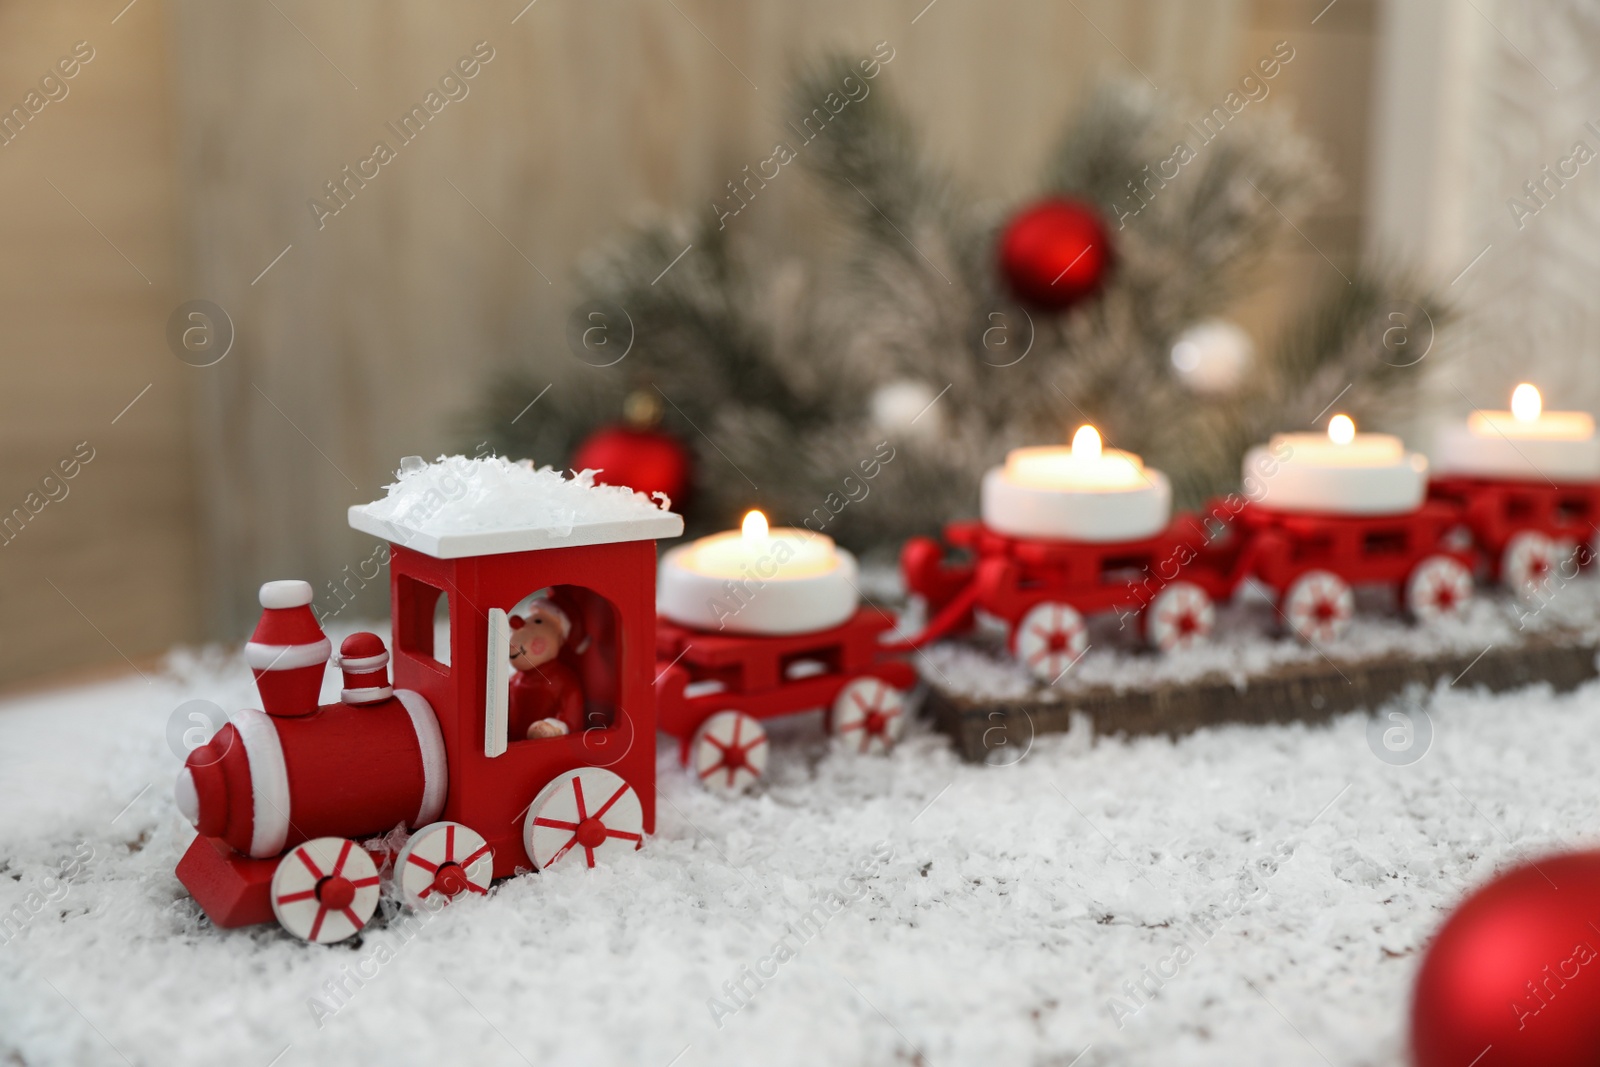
x: 1055, y: 253
x: 1513, y: 977
x: 638, y: 454
x: 647, y: 460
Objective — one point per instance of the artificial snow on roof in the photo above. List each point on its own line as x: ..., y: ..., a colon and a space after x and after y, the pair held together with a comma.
x: 458, y: 506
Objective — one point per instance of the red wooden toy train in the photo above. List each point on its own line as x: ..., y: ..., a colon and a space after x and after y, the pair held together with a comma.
x: 502, y: 762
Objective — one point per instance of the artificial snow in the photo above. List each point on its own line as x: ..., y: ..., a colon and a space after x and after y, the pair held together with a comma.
x: 458, y: 495
x: 1283, y: 880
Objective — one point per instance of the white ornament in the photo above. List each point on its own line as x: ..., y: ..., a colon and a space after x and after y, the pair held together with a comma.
x: 906, y: 407
x: 1212, y: 356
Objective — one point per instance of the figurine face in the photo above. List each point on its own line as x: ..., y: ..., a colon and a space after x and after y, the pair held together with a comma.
x: 535, y: 638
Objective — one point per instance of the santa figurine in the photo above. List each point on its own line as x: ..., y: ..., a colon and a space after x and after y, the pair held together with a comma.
x: 546, y: 697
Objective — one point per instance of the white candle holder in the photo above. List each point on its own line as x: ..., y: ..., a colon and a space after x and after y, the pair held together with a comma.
x: 756, y: 581
x: 1084, y: 493
x: 1526, y: 443
x: 1341, y: 473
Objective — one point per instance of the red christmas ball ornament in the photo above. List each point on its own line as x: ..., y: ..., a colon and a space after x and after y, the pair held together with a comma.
x: 1513, y: 977
x: 1055, y: 253
x: 638, y: 454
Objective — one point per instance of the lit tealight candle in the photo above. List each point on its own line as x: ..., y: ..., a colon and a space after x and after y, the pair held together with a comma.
x: 1341, y: 472
x: 1526, y: 442
x: 758, y: 580
x: 1083, y: 493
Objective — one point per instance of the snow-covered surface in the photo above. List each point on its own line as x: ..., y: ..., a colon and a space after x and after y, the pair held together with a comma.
x: 1248, y: 641
x: 1014, y: 905
x: 458, y: 506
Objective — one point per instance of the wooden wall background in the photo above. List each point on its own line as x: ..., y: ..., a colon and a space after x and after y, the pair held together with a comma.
x: 196, y: 141
x: 89, y: 257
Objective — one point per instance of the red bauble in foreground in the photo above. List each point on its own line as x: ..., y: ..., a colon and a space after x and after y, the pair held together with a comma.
x: 1055, y: 253
x: 646, y: 460
x: 1513, y: 978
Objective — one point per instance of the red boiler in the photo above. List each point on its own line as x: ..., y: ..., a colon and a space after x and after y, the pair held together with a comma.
x: 356, y: 771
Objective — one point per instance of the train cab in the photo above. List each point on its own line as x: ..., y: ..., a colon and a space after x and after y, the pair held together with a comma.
x: 463, y: 594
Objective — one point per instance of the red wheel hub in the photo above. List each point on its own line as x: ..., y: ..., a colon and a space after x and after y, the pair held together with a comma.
x: 1324, y: 611
x: 733, y: 758
x: 336, y: 893
x: 591, y: 833
x: 875, y: 722
x: 1056, y: 642
x: 450, y: 879
x: 1187, y: 624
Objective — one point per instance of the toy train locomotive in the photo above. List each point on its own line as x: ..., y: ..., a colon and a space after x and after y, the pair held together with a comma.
x: 521, y: 732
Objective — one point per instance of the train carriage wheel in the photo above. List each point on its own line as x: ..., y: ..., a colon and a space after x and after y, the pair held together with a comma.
x: 728, y: 753
x: 1440, y: 587
x: 1049, y: 639
x: 589, y: 812
x: 443, y: 860
x: 1180, y: 616
x: 868, y: 715
x: 325, y: 889
x: 1528, y: 562
x: 1319, y: 606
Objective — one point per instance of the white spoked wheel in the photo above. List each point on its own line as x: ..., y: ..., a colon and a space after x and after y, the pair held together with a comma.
x: 1319, y: 606
x: 590, y: 812
x: 1180, y: 616
x: 1527, y: 563
x: 325, y: 890
x: 868, y: 715
x: 729, y: 752
x: 1050, y: 639
x: 443, y: 860
x: 1440, y: 587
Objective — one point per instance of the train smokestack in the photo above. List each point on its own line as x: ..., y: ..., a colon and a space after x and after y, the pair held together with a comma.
x: 288, y: 652
x: 365, y: 663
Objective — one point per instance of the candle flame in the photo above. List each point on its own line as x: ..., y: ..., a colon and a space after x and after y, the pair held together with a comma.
x: 1086, y: 443
x: 1526, y: 403
x: 755, y: 526
x: 1341, y: 429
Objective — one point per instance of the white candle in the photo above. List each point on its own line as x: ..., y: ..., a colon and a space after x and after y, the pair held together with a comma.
x: 758, y: 580
x: 1082, y: 493
x: 1526, y: 442
x: 1341, y: 472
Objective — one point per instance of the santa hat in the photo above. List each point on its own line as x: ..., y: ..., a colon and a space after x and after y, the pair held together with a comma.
x: 365, y: 663
x: 549, y: 607
x: 288, y: 651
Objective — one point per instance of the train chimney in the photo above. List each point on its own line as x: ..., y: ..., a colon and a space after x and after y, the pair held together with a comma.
x: 365, y: 663
x: 288, y: 652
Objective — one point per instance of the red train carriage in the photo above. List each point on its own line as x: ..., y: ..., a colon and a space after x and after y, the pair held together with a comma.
x: 1525, y: 530
x: 1044, y: 590
x: 1312, y: 562
x: 283, y: 796
x: 715, y: 690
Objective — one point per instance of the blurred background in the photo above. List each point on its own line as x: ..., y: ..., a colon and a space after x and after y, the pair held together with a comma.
x: 179, y: 159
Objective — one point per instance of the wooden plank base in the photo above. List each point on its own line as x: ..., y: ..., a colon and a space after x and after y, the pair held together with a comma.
x: 1002, y: 729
